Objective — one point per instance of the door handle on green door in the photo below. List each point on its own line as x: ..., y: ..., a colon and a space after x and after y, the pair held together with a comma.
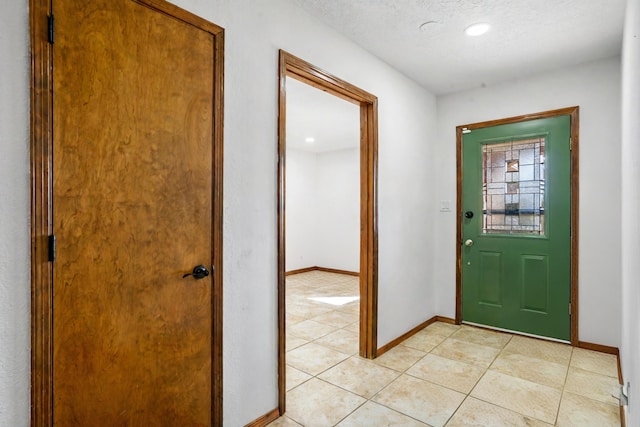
x: 468, y: 242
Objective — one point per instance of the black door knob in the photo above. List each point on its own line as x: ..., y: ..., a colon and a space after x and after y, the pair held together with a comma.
x: 199, y: 272
x: 468, y: 214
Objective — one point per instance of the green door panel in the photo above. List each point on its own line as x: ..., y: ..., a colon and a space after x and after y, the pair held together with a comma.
x: 535, y: 283
x: 490, y: 283
x: 514, y: 277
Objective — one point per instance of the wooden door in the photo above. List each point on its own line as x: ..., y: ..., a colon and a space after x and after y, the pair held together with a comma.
x: 133, y: 174
x: 516, y: 255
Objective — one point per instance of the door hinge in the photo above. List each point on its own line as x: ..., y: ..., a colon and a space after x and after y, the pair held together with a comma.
x: 570, y: 144
x: 569, y: 309
x: 50, y: 26
x: 52, y: 248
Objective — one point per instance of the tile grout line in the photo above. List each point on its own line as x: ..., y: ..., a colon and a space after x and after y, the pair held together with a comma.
x: 405, y: 371
x: 564, y: 385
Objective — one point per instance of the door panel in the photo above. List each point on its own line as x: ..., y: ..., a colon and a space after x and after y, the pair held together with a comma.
x: 132, y: 208
x: 516, y: 256
x: 535, y: 283
x: 490, y: 284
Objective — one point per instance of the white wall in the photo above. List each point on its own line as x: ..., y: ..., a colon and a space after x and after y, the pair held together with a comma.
x: 15, y: 282
x: 630, y: 350
x: 323, y: 209
x: 301, y: 209
x: 595, y: 87
x: 254, y: 32
x: 338, y: 220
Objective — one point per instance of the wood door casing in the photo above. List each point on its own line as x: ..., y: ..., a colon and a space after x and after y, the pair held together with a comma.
x: 136, y: 199
x: 294, y: 67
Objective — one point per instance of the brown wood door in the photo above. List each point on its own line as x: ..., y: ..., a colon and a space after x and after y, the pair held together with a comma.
x: 132, y: 212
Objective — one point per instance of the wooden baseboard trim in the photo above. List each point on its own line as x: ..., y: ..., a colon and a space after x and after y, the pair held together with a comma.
x: 333, y: 270
x: 599, y: 347
x: 404, y: 336
x: 446, y: 320
x: 325, y: 269
x: 265, y: 419
x: 620, y: 377
x: 623, y: 414
x: 300, y: 270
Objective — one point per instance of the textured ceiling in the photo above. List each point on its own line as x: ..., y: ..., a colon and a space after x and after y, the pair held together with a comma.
x: 332, y: 121
x: 527, y: 36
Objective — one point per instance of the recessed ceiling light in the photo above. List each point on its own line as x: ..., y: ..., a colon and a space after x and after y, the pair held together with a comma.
x: 477, y: 29
x: 309, y: 140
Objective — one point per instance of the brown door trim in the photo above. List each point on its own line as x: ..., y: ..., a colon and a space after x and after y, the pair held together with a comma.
x: 575, y: 134
x: 41, y: 206
x: 291, y: 66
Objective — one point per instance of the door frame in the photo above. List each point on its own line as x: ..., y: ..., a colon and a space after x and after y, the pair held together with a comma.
x: 41, y: 166
x: 294, y: 67
x: 573, y: 112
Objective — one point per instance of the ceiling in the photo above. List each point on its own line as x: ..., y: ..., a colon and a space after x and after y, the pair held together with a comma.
x: 526, y: 36
x: 333, y: 122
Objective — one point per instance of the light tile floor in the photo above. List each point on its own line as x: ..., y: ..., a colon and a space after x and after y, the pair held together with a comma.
x: 445, y: 375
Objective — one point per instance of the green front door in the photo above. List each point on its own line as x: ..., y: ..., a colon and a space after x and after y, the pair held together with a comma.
x: 516, y: 227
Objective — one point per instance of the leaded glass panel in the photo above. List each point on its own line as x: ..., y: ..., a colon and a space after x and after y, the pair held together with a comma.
x: 513, y: 186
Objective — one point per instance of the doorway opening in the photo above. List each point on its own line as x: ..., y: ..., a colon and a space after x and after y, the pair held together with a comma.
x: 517, y: 224
x: 303, y: 72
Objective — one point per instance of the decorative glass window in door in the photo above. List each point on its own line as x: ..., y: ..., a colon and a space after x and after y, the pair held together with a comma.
x: 513, y: 187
